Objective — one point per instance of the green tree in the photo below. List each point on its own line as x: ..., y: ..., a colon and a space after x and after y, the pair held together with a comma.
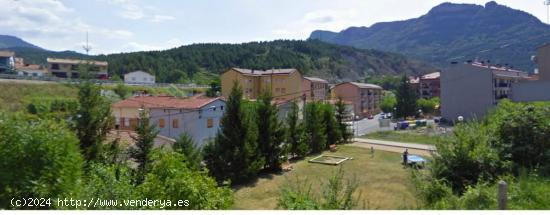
x: 342, y: 115
x: 388, y: 103
x: 330, y: 126
x: 93, y: 120
x: 427, y: 105
x: 110, y: 182
x: 144, y: 141
x: 39, y: 159
x: 171, y: 179
x: 270, y: 132
x: 234, y: 154
x: 406, y: 99
x: 295, y: 138
x: 122, y: 90
x: 186, y: 146
x: 314, y: 129
x: 215, y: 88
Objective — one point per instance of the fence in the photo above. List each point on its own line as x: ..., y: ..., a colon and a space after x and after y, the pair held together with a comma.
x: 76, y: 81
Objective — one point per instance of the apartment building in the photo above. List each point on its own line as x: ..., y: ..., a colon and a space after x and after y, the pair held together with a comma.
x: 69, y: 68
x: 315, y: 89
x: 284, y: 84
x: 471, y: 89
x: 7, y: 61
x: 197, y: 116
x: 427, y: 86
x: 365, y: 98
x: 538, y: 88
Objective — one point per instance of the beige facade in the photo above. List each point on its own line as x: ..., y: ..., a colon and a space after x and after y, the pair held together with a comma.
x: 285, y: 84
x: 315, y: 89
x: 69, y: 68
x: 365, y: 98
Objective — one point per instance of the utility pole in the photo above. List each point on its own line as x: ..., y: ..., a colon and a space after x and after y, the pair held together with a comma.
x: 547, y: 3
x: 87, y: 47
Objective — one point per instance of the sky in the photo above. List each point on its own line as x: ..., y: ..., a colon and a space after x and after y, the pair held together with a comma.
x: 116, y: 26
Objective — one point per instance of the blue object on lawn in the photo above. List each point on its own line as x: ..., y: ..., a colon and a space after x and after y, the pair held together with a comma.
x: 415, y: 159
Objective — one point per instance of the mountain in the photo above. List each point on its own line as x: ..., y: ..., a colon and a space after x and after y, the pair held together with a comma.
x: 7, y: 41
x: 453, y: 32
x: 333, y: 62
x: 201, y: 63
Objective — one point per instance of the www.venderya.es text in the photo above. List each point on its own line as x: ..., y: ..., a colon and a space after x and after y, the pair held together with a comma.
x: 97, y: 203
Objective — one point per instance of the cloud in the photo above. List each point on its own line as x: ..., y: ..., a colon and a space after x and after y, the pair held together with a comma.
x: 51, y: 23
x: 136, y: 46
x: 162, y: 18
x: 333, y: 20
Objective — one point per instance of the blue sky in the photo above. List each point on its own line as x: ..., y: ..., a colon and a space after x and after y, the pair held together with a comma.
x: 135, y: 25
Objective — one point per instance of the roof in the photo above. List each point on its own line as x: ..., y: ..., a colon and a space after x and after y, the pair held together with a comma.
x: 6, y: 54
x: 503, y: 71
x: 75, y: 61
x: 138, y: 71
x: 168, y: 102
x: 266, y: 72
x: 314, y: 79
x: 414, y: 80
x: 362, y: 85
x: 434, y: 75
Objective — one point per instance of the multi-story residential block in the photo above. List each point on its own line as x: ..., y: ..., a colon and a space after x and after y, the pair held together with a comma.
x: 537, y: 88
x: 365, y: 98
x: 197, y: 116
x: 69, y: 68
x: 471, y: 89
x: 139, y: 77
x: 427, y: 86
x: 7, y: 61
x: 315, y: 89
x: 284, y: 84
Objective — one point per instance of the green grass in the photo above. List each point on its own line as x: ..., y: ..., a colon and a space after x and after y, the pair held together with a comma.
x: 13, y: 96
x: 404, y: 136
x: 383, y: 182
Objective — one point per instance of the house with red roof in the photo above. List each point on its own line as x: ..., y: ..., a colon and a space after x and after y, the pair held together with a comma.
x: 197, y: 116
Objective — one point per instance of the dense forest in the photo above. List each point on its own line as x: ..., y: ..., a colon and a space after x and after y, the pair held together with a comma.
x: 200, y: 63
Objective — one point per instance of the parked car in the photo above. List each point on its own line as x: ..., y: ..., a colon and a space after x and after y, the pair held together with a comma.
x: 370, y: 117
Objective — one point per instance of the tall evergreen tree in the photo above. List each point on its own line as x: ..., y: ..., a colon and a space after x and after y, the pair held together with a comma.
x: 92, y: 120
x: 315, y: 131
x: 342, y: 114
x: 295, y: 138
x: 186, y: 146
x: 270, y: 131
x: 234, y: 154
x: 146, y: 134
x: 332, y: 132
x: 406, y: 99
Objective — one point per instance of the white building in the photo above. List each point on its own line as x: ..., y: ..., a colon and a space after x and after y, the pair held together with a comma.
x: 139, y: 77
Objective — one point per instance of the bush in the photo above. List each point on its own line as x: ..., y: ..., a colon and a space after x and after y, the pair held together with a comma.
x: 110, y: 182
x: 38, y: 159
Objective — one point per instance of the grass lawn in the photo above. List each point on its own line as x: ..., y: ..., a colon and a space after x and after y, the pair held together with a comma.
x: 383, y: 182
x: 404, y: 136
x: 13, y: 95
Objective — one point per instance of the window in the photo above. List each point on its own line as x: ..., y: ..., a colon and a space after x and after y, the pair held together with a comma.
x: 283, y: 90
x: 210, y: 123
x: 127, y: 122
x: 221, y: 107
x: 175, y: 123
x: 55, y: 66
x: 133, y: 78
x: 161, y: 123
x: 277, y: 90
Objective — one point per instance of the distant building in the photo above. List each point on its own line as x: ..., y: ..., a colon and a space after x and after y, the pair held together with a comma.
x: 365, y: 98
x: 7, y: 61
x: 315, y: 89
x: 139, y: 77
x: 427, y: 86
x: 32, y: 70
x: 197, y: 116
x: 538, y: 87
x: 471, y: 89
x: 284, y: 84
x: 69, y: 68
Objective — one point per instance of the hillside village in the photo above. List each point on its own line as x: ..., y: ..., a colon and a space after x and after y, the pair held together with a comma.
x: 470, y: 135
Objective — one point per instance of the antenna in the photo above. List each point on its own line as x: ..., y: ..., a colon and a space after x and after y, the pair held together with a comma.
x: 547, y: 3
x: 87, y: 47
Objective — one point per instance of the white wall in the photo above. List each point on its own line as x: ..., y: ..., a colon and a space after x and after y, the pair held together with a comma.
x: 139, y: 77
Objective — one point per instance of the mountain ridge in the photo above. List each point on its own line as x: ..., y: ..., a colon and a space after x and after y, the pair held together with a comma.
x: 450, y: 32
